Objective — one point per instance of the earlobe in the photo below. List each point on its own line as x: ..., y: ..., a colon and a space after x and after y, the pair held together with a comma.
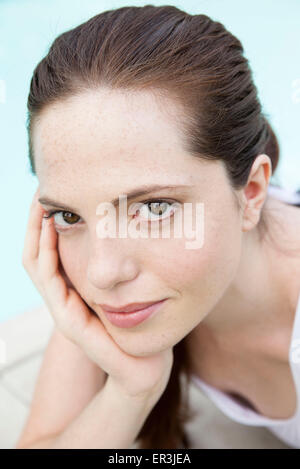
x: 248, y: 214
x: 247, y: 224
x: 251, y: 217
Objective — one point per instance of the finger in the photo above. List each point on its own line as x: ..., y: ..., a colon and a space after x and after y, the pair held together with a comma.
x: 64, y: 275
x: 48, y: 256
x: 82, y: 326
x: 99, y: 345
x: 54, y: 284
x: 31, y: 242
x: 70, y: 315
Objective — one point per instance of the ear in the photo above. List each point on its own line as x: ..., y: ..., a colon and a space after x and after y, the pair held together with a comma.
x: 255, y: 191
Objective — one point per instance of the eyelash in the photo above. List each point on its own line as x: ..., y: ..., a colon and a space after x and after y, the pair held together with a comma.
x: 51, y: 213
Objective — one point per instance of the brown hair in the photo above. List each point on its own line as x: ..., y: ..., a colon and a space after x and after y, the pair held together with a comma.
x: 195, y: 61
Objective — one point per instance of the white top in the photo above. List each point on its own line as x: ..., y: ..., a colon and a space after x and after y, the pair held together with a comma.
x: 287, y: 430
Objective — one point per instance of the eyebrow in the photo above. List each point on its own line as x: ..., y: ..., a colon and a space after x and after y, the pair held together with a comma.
x: 143, y: 190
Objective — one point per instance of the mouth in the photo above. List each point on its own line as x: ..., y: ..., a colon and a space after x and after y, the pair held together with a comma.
x: 129, y: 308
x: 135, y: 317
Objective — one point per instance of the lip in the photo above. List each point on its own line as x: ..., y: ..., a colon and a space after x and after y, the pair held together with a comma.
x: 133, y: 318
x: 129, y: 308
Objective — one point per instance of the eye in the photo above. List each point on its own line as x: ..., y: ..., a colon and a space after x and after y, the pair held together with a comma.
x: 159, y: 209
x: 68, y: 217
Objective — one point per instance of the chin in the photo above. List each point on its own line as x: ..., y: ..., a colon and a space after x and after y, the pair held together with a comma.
x: 135, y: 349
x: 140, y: 346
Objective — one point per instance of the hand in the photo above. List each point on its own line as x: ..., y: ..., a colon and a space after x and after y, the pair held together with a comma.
x: 136, y: 376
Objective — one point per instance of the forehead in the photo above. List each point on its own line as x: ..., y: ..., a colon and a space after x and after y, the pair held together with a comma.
x: 107, y: 129
x: 113, y: 140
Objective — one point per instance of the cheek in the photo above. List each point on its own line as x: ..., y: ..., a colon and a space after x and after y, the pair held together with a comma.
x: 202, y: 275
x: 214, y: 266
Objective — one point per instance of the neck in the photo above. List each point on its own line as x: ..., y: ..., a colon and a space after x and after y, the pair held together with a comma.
x: 257, y: 310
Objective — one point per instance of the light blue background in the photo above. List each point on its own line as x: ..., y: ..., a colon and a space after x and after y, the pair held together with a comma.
x: 268, y: 29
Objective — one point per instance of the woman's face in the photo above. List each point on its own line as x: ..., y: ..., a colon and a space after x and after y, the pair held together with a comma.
x: 98, y: 145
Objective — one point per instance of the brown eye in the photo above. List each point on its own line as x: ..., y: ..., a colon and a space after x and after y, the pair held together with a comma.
x: 63, y: 218
x: 70, y: 217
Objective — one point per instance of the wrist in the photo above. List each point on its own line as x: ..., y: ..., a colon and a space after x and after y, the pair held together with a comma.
x: 140, y: 401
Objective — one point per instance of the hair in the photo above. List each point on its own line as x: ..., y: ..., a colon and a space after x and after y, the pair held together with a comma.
x: 200, y: 65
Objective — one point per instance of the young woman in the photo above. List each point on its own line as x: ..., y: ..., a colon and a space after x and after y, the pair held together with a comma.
x: 152, y: 96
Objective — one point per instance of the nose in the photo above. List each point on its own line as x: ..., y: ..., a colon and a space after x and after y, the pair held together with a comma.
x: 110, y: 263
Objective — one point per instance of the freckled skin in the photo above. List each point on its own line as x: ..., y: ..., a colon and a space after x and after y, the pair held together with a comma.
x: 93, y: 147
